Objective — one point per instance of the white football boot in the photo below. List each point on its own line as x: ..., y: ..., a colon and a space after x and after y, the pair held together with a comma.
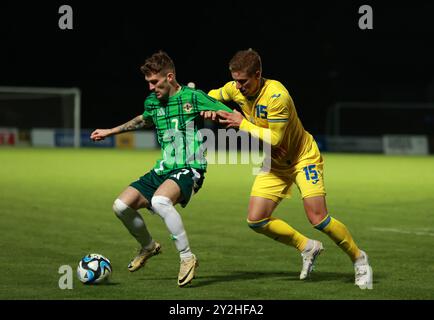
x: 363, y: 272
x: 309, y: 258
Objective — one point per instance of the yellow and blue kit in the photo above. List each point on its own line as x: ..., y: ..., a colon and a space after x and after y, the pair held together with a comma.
x: 271, y: 116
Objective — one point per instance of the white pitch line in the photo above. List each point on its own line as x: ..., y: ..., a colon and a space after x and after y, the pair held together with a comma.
x: 418, y: 233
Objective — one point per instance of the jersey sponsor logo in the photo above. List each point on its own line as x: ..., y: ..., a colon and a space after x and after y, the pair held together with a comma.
x: 161, y: 112
x: 187, y: 107
x: 275, y: 95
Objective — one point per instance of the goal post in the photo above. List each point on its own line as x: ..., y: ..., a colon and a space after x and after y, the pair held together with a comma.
x: 28, y: 93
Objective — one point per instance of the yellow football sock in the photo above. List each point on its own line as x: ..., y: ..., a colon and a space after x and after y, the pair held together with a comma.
x: 339, y: 233
x: 280, y: 231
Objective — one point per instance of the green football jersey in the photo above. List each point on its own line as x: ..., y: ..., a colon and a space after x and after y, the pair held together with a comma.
x: 178, y: 123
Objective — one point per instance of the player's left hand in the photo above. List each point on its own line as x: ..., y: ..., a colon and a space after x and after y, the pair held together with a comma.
x: 231, y: 119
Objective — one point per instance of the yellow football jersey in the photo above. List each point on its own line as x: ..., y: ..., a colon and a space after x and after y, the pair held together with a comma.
x: 272, y: 108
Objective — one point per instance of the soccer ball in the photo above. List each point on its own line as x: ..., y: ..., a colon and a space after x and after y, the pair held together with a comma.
x: 94, y: 268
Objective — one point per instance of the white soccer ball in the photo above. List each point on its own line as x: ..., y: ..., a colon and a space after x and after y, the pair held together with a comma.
x: 94, y: 268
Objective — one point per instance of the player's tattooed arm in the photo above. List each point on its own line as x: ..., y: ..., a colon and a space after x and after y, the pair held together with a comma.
x: 135, y: 124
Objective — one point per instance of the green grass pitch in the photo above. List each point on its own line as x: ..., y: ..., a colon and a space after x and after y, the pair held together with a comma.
x: 55, y: 207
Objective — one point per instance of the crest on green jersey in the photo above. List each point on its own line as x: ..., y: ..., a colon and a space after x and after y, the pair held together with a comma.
x: 187, y: 107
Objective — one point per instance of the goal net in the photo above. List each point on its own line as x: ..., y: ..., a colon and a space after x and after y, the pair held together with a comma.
x: 23, y: 109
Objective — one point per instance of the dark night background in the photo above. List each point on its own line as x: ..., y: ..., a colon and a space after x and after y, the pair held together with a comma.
x: 315, y: 49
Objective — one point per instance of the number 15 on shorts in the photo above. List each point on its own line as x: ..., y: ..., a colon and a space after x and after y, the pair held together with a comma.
x: 311, y: 173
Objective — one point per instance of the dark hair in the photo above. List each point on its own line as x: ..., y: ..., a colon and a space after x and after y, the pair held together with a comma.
x: 246, y: 60
x: 159, y: 62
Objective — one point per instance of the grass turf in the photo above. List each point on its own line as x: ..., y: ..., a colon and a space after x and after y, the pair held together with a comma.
x: 55, y: 207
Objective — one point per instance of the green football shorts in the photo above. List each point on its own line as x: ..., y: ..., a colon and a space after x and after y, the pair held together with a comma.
x: 188, y: 179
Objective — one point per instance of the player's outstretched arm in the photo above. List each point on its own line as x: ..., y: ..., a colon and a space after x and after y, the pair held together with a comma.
x: 273, y: 134
x: 132, y: 125
x: 100, y: 134
x: 209, y: 106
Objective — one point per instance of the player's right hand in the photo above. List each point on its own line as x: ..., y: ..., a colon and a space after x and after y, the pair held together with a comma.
x: 99, y: 134
x: 209, y: 115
